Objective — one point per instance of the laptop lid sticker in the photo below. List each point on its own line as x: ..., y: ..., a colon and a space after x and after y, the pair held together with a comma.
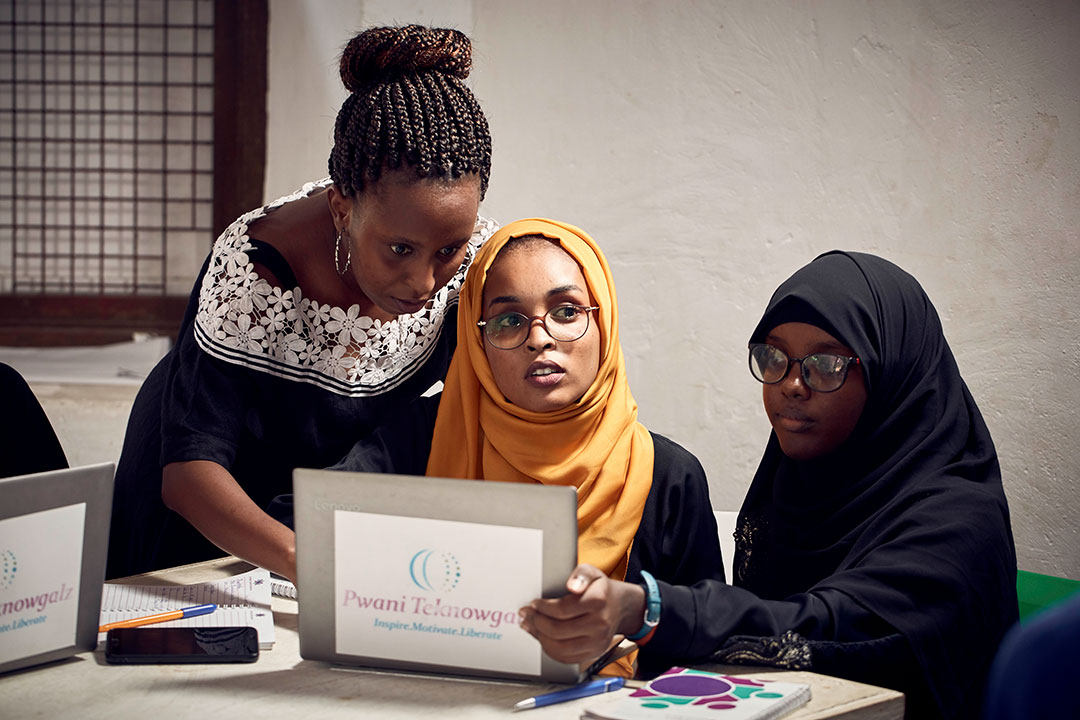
x: 444, y: 592
x: 40, y: 567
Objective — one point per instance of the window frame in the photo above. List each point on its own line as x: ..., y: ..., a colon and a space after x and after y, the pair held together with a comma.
x: 240, y: 86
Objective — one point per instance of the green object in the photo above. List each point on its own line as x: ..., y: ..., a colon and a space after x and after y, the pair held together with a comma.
x: 1037, y: 592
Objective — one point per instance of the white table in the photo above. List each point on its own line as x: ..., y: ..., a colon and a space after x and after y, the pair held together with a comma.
x: 282, y: 686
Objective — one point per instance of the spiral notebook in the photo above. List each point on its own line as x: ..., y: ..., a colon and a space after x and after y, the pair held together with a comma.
x: 282, y: 587
x: 242, y: 600
x: 684, y: 694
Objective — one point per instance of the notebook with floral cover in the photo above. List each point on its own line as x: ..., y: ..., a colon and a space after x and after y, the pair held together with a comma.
x: 684, y: 694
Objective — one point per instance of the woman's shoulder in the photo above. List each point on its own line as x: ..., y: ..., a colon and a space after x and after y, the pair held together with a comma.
x: 678, y: 478
x: 281, y: 207
x: 11, y: 380
x: 275, y: 226
x: 672, y: 459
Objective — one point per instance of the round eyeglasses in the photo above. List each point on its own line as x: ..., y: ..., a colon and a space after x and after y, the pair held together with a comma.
x: 564, y: 323
x: 822, y: 372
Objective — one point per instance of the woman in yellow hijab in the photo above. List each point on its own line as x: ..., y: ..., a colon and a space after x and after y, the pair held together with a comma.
x: 574, y: 421
x: 537, y: 392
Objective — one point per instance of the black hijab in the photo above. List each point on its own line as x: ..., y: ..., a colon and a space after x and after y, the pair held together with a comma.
x: 908, y: 516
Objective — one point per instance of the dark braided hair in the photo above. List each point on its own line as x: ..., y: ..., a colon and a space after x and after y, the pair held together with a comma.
x: 408, y: 106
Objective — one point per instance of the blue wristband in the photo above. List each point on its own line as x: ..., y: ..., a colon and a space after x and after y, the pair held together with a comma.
x: 652, y: 607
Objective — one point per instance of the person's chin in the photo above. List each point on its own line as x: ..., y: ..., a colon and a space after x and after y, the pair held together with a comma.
x: 541, y: 402
x: 798, y: 446
x: 404, y: 307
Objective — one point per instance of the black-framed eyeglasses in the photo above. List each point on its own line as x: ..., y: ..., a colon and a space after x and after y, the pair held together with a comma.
x: 509, y: 330
x: 822, y: 372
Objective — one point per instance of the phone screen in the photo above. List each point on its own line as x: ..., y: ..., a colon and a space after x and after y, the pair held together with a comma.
x: 182, y: 645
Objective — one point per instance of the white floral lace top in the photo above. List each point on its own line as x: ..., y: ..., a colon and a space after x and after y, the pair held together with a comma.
x: 244, y: 320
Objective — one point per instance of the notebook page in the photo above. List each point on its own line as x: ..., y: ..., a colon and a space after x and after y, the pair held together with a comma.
x: 241, y: 599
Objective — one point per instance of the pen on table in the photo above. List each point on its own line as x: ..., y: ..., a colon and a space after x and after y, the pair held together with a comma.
x: 160, y: 617
x: 594, y: 687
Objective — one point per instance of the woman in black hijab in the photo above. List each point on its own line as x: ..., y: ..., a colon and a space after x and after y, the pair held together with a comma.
x: 884, y: 552
x: 874, y: 542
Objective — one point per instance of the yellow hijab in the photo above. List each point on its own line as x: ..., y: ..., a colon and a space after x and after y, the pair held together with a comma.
x: 595, y: 444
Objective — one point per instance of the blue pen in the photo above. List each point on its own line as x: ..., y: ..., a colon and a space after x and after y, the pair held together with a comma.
x: 160, y: 617
x: 594, y: 687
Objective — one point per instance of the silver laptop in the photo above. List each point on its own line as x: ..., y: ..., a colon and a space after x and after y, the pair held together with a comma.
x: 54, y: 535
x: 420, y: 573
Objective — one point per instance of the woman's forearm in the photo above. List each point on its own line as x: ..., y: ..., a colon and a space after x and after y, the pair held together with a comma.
x: 209, y: 498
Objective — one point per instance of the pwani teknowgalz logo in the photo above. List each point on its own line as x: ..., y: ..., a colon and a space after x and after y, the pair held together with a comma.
x: 434, y: 571
x: 17, y: 602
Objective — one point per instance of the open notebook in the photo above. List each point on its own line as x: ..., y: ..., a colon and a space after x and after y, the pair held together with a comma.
x: 241, y: 599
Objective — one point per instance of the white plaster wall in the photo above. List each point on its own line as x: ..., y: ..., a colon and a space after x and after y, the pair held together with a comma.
x: 714, y: 147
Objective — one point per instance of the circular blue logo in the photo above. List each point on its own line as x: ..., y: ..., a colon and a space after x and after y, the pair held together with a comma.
x: 435, y: 571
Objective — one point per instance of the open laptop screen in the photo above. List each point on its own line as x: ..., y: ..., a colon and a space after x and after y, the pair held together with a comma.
x: 426, y: 573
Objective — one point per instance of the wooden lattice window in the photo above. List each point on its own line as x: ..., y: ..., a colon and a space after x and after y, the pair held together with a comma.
x: 109, y: 199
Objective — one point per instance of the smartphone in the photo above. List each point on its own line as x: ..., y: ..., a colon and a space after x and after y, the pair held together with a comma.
x: 150, y: 645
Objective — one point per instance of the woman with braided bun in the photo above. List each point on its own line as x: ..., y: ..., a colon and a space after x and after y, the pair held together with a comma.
x: 313, y: 316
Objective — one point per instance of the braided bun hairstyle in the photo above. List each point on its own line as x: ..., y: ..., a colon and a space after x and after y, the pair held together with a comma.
x: 408, y: 106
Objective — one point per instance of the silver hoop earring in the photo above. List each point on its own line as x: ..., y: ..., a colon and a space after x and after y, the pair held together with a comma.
x: 342, y: 269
